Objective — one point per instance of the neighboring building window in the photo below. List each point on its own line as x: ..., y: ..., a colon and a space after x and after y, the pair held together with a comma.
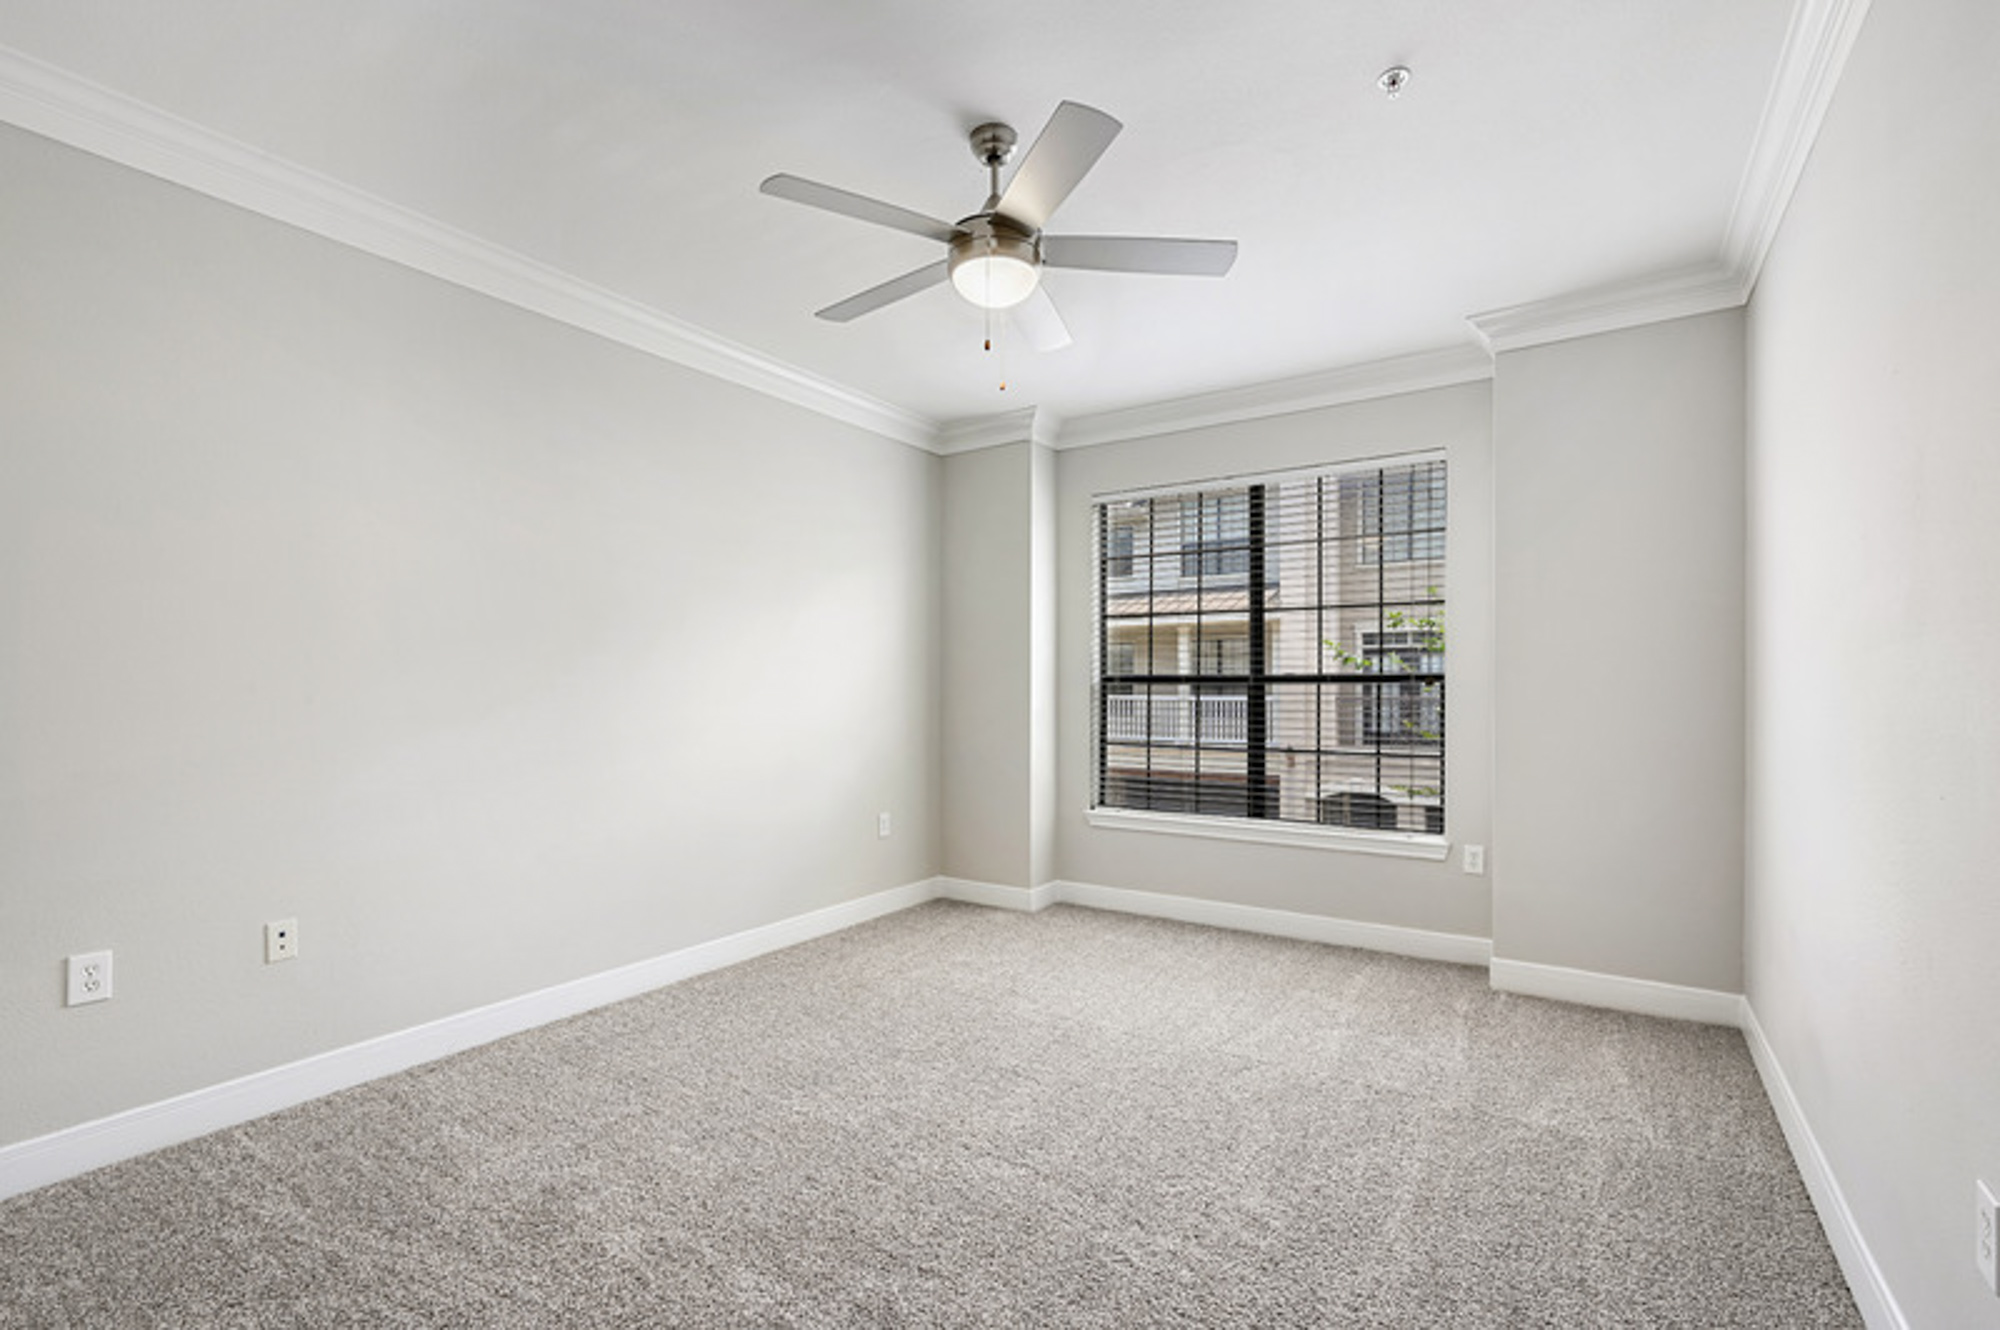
x: 1225, y: 655
x: 1118, y: 561
x: 1401, y: 514
x: 1275, y: 649
x: 1410, y: 710
x: 1121, y: 660
x: 1215, y: 536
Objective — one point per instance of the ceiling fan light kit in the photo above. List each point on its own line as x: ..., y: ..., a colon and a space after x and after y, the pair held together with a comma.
x: 994, y: 258
x: 993, y: 265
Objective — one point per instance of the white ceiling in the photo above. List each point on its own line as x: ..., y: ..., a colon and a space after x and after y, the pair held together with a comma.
x: 1542, y: 147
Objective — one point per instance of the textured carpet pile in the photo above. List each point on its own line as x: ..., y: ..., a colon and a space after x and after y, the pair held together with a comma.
x: 965, y: 1117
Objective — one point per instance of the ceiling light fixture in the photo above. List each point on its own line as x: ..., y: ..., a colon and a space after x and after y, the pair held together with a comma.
x: 995, y: 268
x: 1392, y: 81
x: 994, y: 258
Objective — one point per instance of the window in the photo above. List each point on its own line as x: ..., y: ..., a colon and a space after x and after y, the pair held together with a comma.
x: 1121, y: 660
x: 1409, y: 710
x: 1274, y: 650
x: 1215, y: 536
x: 1123, y: 540
x: 1225, y: 655
x: 1400, y: 512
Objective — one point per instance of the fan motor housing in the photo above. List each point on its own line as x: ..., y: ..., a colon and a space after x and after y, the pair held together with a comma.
x: 988, y: 233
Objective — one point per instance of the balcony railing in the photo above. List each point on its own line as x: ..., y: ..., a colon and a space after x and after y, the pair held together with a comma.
x: 1397, y: 720
x: 1172, y: 718
x: 1171, y: 581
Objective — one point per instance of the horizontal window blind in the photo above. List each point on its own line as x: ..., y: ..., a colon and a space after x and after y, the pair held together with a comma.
x: 1274, y: 649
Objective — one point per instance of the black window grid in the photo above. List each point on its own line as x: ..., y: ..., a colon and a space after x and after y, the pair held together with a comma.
x: 1367, y: 725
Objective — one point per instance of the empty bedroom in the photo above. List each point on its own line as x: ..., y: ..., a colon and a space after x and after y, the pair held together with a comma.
x: 1300, y: 664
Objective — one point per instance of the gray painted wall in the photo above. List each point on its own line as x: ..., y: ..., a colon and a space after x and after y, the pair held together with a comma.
x: 1339, y: 884
x: 988, y: 654
x: 476, y: 643
x: 1873, y: 919
x: 333, y: 591
x: 999, y: 665
x: 1618, y: 805
x: 1044, y: 593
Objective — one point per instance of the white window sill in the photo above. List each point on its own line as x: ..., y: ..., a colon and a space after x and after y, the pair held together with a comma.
x: 1398, y: 844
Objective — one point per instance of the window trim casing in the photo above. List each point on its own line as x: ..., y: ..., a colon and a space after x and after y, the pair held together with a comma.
x: 1427, y: 846
x: 1266, y: 831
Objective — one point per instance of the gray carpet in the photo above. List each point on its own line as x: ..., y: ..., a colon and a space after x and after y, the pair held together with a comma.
x: 964, y: 1117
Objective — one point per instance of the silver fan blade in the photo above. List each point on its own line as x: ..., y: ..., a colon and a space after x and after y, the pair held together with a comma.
x: 1188, y: 258
x: 1070, y: 144
x: 858, y: 206
x: 1038, y: 323
x: 888, y: 293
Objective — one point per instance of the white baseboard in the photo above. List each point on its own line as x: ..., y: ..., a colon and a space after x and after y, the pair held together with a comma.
x: 1589, y: 988
x: 1460, y: 948
x: 75, y: 1150
x: 1864, y: 1277
x: 1028, y: 899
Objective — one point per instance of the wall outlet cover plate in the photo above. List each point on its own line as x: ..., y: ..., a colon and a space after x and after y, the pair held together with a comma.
x: 88, y: 978
x: 281, y: 940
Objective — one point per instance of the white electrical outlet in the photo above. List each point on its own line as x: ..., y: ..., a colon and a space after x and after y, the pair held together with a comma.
x: 882, y: 825
x: 281, y: 940
x: 89, y: 978
x: 1988, y: 1249
x: 1475, y: 859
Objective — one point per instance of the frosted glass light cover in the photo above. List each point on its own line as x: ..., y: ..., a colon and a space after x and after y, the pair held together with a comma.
x: 995, y: 281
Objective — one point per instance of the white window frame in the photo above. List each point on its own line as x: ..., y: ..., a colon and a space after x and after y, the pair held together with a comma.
x: 1390, y: 842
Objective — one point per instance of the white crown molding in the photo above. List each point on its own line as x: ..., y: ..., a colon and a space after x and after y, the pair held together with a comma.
x: 1032, y: 424
x: 45, y: 100
x: 1817, y: 43
x: 1651, y: 299
x: 1440, y: 368
x: 1816, y: 48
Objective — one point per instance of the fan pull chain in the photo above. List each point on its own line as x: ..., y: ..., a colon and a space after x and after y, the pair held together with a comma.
x: 988, y: 313
x: 986, y: 306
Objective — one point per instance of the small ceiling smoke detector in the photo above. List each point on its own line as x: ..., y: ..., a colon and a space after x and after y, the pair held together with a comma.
x: 1392, y: 81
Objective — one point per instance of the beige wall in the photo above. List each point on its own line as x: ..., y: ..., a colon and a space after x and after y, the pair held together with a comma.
x: 1338, y: 884
x: 1873, y: 919
x: 332, y: 591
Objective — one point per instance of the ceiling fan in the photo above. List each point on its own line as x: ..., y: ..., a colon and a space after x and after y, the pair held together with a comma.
x: 995, y: 256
